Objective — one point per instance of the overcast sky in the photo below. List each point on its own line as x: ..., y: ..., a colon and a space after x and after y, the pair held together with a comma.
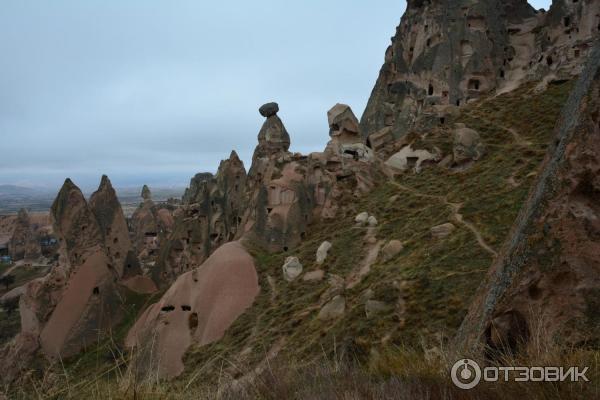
x: 155, y: 91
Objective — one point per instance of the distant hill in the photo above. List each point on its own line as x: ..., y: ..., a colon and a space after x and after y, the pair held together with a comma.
x: 14, y: 190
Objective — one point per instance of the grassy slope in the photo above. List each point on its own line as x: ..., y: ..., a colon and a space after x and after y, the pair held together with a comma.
x: 430, y: 283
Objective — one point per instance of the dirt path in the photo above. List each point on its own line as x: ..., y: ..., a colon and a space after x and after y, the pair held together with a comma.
x: 520, y: 141
x: 365, y: 265
x: 455, y: 208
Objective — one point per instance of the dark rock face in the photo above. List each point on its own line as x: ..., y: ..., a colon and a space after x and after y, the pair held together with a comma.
x: 269, y: 109
x: 546, y: 277
x: 447, y: 53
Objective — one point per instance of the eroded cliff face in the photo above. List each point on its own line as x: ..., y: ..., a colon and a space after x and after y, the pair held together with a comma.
x: 447, y: 53
x: 547, y: 277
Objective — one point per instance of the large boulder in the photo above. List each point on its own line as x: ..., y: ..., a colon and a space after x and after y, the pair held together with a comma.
x: 322, y: 252
x: 273, y: 138
x: 391, y: 249
x: 292, y: 268
x: 467, y: 144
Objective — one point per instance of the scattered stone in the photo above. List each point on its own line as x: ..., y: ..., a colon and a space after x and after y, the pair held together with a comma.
x: 362, y: 218
x: 373, y: 307
x: 442, y: 231
x: 370, y: 239
x: 322, y: 252
x: 372, y: 221
x: 269, y: 109
x: 391, y: 249
x: 334, y: 309
x: 314, y: 276
x: 291, y: 268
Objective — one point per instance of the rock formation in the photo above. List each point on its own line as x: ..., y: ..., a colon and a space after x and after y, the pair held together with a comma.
x: 77, y: 302
x: 546, y: 277
x: 24, y: 243
x: 209, y: 217
x: 448, y: 53
x: 150, y: 224
x: 197, y: 309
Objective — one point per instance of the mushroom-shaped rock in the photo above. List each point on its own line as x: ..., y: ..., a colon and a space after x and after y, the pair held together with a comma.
x: 362, y: 218
x: 197, y: 309
x: 322, y: 252
x: 273, y: 138
x: 467, y: 144
x: 333, y: 309
x: 269, y: 109
x: 391, y: 249
x: 442, y: 231
x: 292, y: 268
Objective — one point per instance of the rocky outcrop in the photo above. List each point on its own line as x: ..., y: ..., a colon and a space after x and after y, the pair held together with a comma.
x: 197, y: 309
x: 546, y: 277
x: 448, y: 53
x: 209, y: 217
x: 77, y: 301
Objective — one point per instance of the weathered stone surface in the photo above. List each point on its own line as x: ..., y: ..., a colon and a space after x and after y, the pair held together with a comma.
x: 292, y: 268
x: 467, y: 144
x: 442, y: 231
x: 391, y: 249
x: 322, y: 252
x: 333, y: 309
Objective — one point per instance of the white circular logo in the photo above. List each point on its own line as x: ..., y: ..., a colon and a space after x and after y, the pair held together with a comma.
x: 466, y: 374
